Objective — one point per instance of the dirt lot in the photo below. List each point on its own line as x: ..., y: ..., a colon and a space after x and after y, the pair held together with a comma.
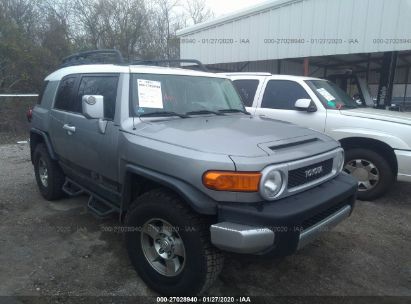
x: 60, y: 249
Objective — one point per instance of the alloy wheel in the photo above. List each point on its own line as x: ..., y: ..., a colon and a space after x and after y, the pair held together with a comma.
x: 163, y: 247
x: 43, y: 172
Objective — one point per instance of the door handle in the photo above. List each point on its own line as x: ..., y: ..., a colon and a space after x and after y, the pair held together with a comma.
x: 70, y: 129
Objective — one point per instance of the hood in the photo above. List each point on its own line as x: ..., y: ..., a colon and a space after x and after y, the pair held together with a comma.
x: 235, y: 135
x: 384, y: 115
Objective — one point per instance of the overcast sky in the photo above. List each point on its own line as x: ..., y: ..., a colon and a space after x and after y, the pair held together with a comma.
x: 221, y: 7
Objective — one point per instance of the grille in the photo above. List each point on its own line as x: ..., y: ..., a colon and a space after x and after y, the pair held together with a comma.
x: 321, y: 216
x: 298, y: 177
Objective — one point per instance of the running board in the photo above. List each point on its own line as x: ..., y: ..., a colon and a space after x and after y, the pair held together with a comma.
x: 101, y: 208
x: 71, y: 188
x: 98, y: 206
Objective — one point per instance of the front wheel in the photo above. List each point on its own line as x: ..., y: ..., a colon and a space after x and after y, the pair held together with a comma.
x: 372, y: 170
x: 169, y: 245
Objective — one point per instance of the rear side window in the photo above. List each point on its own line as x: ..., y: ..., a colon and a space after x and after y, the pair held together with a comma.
x: 40, y: 98
x: 64, y: 98
x: 100, y: 85
x: 47, y: 95
x: 247, y: 88
x: 282, y: 94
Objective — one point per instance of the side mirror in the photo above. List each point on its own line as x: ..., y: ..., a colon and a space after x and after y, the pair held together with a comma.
x: 93, y: 106
x: 305, y: 105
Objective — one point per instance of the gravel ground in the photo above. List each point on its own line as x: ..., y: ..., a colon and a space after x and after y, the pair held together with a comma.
x: 59, y: 249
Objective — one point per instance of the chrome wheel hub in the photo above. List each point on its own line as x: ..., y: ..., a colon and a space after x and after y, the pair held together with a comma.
x: 365, y: 172
x: 163, y: 247
x: 43, y: 172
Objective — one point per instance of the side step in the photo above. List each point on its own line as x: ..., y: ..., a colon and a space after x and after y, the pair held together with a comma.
x: 98, y: 206
x: 101, y: 208
x: 71, y: 189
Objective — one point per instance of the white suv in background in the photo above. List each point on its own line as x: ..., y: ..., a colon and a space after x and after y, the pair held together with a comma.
x: 377, y: 143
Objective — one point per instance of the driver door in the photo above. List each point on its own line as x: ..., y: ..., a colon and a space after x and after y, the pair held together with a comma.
x: 278, y: 102
x: 92, y: 153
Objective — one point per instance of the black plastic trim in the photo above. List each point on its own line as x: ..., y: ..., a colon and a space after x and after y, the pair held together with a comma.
x: 286, y: 216
x: 93, y: 57
x: 47, y: 141
x: 200, y: 202
x: 83, y: 178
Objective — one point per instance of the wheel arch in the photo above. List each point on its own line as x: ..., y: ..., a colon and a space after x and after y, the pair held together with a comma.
x: 37, y: 137
x: 138, y: 180
x: 378, y: 146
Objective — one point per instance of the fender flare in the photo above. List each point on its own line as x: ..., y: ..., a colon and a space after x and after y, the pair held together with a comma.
x: 196, y: 199
x: 46, y: 140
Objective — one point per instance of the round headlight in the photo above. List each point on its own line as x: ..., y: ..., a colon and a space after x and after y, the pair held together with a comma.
x: 271, y: 184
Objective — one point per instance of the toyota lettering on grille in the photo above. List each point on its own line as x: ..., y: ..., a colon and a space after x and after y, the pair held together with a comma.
x: 313, y: 171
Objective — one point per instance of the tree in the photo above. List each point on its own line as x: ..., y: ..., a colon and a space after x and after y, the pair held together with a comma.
x: 36, y: 34
x: 198, y: 11
x: 166, y: 21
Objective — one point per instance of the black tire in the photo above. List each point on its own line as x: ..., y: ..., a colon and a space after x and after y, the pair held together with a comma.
x: 385, y: 172
x: 53, y: 189
x: 203, y: 262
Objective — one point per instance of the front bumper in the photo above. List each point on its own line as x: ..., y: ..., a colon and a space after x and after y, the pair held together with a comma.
x: 284, y: 226
x: 404, y: 165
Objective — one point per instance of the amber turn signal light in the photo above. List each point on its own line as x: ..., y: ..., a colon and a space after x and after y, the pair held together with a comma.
x: 232, y: 181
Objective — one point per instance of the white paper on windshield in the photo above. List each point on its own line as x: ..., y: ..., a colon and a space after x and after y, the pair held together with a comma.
x: 149, y: 94
x: 327, y: 95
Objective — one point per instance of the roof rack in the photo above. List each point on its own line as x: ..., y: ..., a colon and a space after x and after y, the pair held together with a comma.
x: 167, y: 62
x: 105, y: 56
x: 111, y: 56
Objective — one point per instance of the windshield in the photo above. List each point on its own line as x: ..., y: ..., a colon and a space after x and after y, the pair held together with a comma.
x: 182, y: 95
x: 331, y: 95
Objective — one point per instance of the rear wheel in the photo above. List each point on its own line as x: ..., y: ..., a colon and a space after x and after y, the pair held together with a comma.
x: 49, y: 176
x: 169, y: 245
x: 372, y: 170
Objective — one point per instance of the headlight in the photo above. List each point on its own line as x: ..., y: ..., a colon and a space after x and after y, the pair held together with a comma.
x: 339, y: 161
x: 272, y: 183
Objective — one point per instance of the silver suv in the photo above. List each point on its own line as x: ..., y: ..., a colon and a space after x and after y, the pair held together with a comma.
x: 189, y: 171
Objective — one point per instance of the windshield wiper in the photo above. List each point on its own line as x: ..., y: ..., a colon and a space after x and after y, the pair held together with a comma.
x: 233, y: 111
x: 199, y: 112
x: 163, y: 113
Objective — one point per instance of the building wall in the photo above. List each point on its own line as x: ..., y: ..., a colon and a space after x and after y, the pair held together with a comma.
x: 324, y: 27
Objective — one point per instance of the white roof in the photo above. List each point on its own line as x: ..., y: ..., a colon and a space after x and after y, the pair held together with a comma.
x: 281, y: 29
x: 245, y: 75
x: 111, y: 68
x: 295, y: 78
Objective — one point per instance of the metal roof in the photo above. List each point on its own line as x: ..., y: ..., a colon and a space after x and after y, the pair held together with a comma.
x: 300, y: 28
x: 235, y: 15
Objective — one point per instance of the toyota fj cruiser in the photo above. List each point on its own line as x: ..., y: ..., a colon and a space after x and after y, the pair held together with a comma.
x: 189, y: 171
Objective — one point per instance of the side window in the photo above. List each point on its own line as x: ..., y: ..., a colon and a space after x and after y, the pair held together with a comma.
x: 64, y: 99
x: 282, y: 94
x: 246, y: 88
x: 40, y: 98
x: 100, y: 85
x: 47, y: 95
